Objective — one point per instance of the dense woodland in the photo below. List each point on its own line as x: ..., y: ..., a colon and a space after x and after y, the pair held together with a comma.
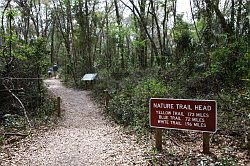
x: 139, y: 49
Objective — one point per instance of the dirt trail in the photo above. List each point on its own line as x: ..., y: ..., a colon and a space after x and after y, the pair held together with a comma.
x: 82, y: 137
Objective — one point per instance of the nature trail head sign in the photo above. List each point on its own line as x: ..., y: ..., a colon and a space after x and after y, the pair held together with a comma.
x: 197, y: 115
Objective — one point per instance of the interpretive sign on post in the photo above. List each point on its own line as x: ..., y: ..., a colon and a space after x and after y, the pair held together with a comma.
x: 198, y: 115
x: 89, y: 77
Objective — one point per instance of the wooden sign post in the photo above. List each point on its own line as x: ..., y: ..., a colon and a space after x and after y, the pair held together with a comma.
x: 206, y: 139
x: 158, y: 139
x: 181, y: 114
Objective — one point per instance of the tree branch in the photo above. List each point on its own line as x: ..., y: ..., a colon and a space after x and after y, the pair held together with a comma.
x: 141, y: 21
x: 20, y: 102
x: 15, y: 134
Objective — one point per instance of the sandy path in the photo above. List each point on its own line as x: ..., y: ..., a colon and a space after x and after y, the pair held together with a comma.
x: 83, y: 137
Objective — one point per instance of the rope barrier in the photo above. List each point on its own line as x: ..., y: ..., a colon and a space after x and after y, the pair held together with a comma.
x: 21, y: 78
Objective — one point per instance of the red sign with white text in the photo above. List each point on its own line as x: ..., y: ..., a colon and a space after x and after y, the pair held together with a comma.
x: 197, y: 115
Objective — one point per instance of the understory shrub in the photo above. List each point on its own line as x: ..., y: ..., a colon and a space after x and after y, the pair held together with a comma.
x: 230, y: 64
x: 149, y: 88
x: 130, y: 105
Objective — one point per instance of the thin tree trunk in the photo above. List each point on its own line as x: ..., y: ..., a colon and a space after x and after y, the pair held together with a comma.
x: 238, y: 19
x: 120, y: 40
x: 52, y: 41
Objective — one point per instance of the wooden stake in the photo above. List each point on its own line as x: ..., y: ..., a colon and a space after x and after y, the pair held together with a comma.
x: 158, y: 139
x: 107, y: 97
x: 206, y: 138
x: 58, y: 106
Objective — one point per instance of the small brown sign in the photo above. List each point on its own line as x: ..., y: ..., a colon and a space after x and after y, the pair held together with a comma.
x: 197, y: 115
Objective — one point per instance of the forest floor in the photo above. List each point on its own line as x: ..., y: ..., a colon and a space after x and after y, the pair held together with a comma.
x: 83, y: 136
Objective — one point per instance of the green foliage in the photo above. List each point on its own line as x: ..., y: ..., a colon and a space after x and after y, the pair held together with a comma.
x: 231, y: 63
x: 45, y: 112
x: 120, y: 109
x: 183, y: 42
x: 10, y: 14
x: 138, y: 43
x: 180, y: 26
x: 1, y: 139
x: 233, y: 111
x: 27, y: 60
x: 227, y: 161
x: 116, y: 30
x: 149, y: 88
x: 14, y: 122
x: 130, y: 105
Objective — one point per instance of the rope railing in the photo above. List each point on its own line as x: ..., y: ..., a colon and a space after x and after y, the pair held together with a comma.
x: 12, y: 78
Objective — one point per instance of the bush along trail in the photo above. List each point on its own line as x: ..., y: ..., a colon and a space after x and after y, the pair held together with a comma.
x: 83, y: 136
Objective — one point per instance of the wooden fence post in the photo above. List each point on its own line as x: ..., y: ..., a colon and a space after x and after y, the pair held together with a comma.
x: 58, y: 106
x: 107, y: 97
